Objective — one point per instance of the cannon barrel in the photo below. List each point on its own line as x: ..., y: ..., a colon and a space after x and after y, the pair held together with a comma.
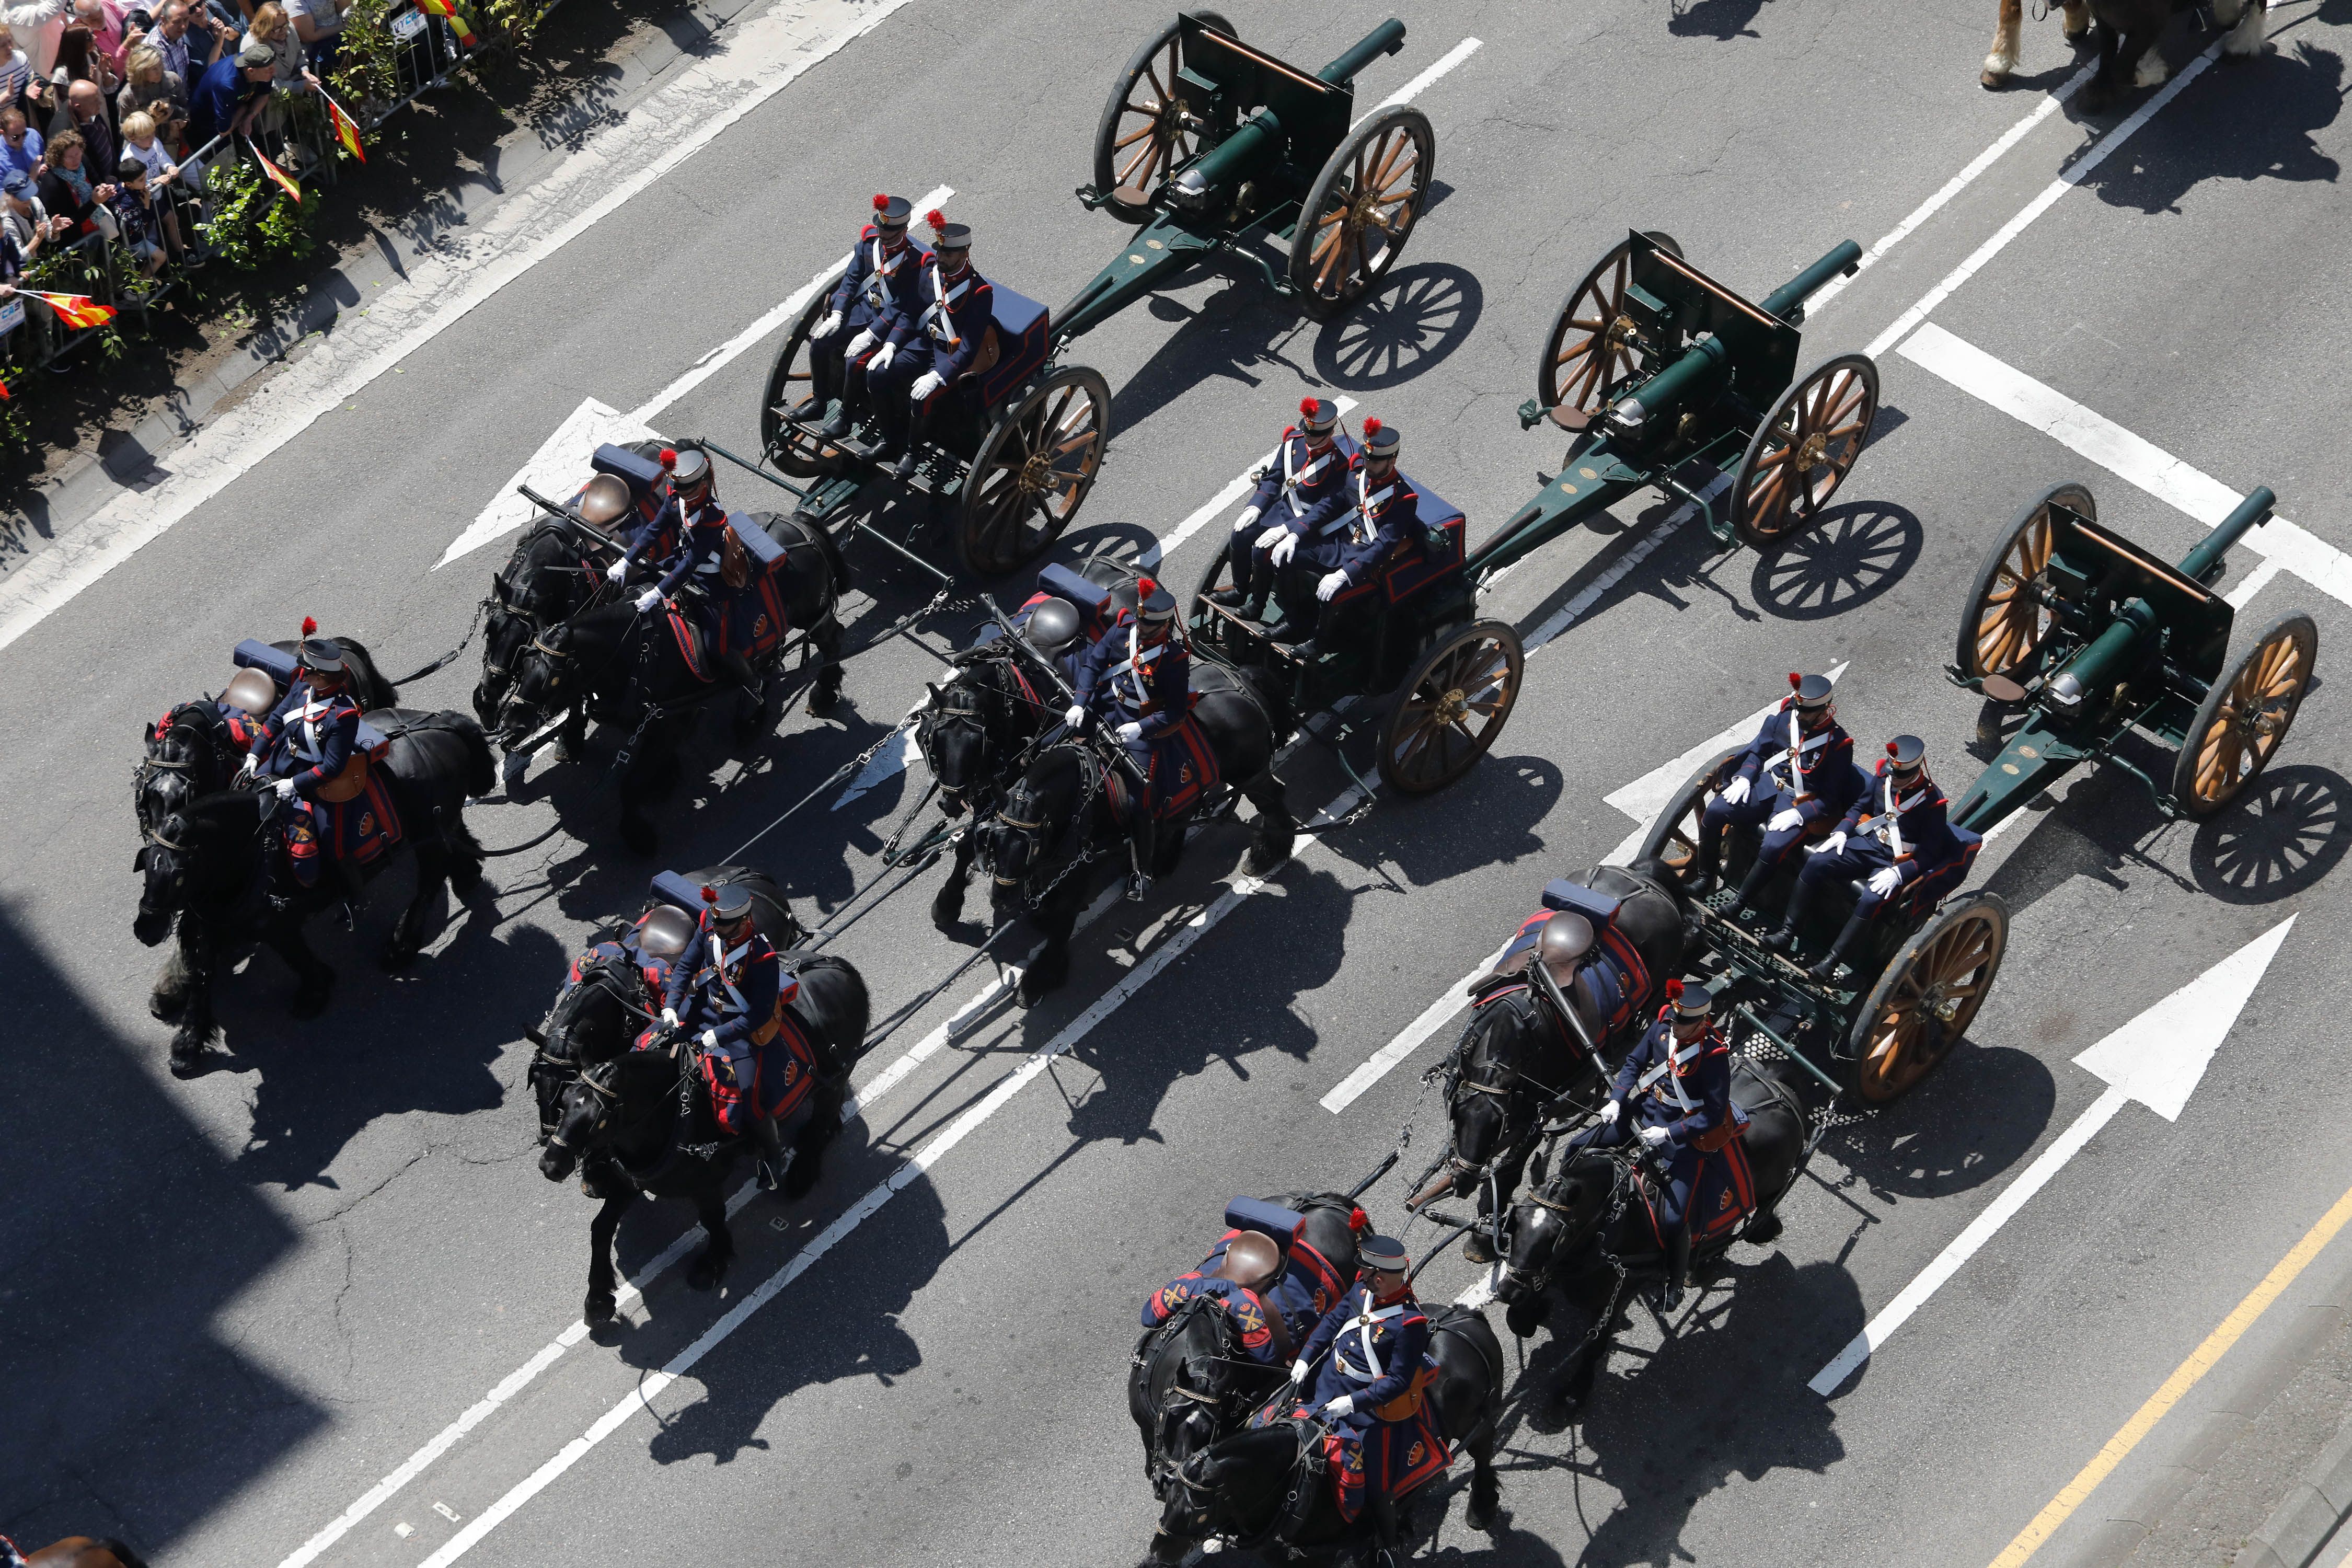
x: 2204, y: 562
x: 1385, y: 39
x: 1792, y: 295
x: 1701, y: 369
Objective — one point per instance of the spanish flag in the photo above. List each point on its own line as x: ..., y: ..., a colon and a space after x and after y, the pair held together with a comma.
x: 347, y: 130
x: 447, y: 10
x: 76, y: 310
x: 284, y: 181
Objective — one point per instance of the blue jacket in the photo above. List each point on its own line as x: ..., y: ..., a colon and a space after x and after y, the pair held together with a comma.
x: 950, y: 315
x: 1311, y: 485
x: 1153, y: 689
x: 1400, y: 1338
x: 1827, y: 759
x: 874, y: 286
x: 1918, y: 816
x: 311, y: 744
x: 702, y: 539
x: 1704, y: 1078
x: 1368, y: 530
x: 1240, y: 1304
x: 704, y: 992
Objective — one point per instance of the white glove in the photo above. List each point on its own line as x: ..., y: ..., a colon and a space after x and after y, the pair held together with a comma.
x: 1331, y: 584
x: 709, y: 1039
x: 669, y: 1016
x: 1076, y: 717
x: 860, y: 343
x: 1830, y: 846
x: 882, y: 357
x: 1611, y: 1112
x: 1734, y: 792
x: 285, y: 788
x: 248, y: 768
x: 925, y: 384
x: 1129, y: 734
x: 1343, y: 1405
x: 1270, y: 538
x: 1298, y: 1374
x: 1784, y: 820
x: 617, y: 570
x: 1242, y: 523
x: 830, y: 325
x: 1283, y: 549
x: 648, y: 600
x: 1885, y: 882
x: 1655, y: 1137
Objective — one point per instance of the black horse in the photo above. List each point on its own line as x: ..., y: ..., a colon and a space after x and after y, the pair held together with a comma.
x: 613, y: 664
x: 552, y: 576
x: 649, y: 1111
x: 1516, y: 1065
x: 1238, y: 1487
x: 1584, y: 1234
x: 192, y: 753
x: 1190, y: 1381
x: 1058, y: 820
x: 206, y: 873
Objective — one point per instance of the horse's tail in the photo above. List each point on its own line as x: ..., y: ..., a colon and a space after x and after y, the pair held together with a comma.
x: 834, y: 1002
x: 836, y: 562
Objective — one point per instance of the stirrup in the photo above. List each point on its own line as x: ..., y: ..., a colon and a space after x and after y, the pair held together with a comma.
x: 1138, y: 884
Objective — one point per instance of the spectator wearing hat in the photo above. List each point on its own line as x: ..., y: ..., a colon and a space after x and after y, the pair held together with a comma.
x: 231, y: 92
x: 25, y: 219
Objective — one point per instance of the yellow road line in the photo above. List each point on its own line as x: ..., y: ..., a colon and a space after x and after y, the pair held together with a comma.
x: 2184, y: 1377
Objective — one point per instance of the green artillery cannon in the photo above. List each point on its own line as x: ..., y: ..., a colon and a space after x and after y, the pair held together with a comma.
x: 1651, y: 365
x: 1213, y: 147
x: 2097, y: 638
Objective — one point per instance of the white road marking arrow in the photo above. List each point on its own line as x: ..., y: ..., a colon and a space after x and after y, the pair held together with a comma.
x: 2157, y: 1059
x: 556, y: 470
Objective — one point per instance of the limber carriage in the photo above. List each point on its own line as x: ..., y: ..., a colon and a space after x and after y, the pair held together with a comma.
x: 1215, y: 148
x: 2090, y: 637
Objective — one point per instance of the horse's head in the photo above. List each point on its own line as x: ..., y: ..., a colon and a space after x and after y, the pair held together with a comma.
x: 1488, y: 1096
x: 1231, y: 1487
x: 544, y: 674
x: 584, y: 1115
x: 506, y: 632
x: 165, y: 863
x: 182, y: 763
x: 1549, y: 1225
x: 954, y: 734
x: 600, y: 1014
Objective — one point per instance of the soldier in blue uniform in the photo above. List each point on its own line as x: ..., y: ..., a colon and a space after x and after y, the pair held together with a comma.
x: 1895, y: 835
x: 698, y: 524
x: 308, y: 741
x: 1241, y: 1283
x: 1299, y: 491
x: 1370, y: 1387
x: 1379, y: 517
x: 1798, y: 770
x: 1139, y: 674
x: 1676, y: 1082
x: 725, y: 993
x: 879, y: 282
x: 928, y: 349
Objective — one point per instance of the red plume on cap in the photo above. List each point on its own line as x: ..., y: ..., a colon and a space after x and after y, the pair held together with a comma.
x: 1673, y: 990
x: 1890, y: 748
x: 936, y: 218
x: 1145, y: 587
x: 1371, y: 428
x: 309, y: 625
x: 881, y: 202
x: 709, y: 894
x: 1359, y: 1221
x: 1306, y: 406
x: 668, y: 458
x: 1795, y: 679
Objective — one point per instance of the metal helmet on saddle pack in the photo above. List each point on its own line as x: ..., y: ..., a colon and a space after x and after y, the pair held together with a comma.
x: 1053, y: 624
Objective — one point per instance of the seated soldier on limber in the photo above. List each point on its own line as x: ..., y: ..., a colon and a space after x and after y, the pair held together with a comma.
x: 1798, y: 770
x: 1895, y: 835
x: 1353, y: 547
x: 927, y: 354
x: 879, y: 282
x: 1298, y: 493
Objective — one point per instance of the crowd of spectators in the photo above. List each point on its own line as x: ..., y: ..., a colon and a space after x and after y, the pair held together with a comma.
x: 108, y: 111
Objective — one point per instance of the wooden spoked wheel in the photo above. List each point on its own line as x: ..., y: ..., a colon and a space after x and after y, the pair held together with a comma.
x: 1034, y: 470
x: 1451, y: 707
x: 2007, y: 616
x: 1928, y: 996
x: 1146, y: 133
x: 1673, y: 837
x: 1800, y: 453
x: 1592, y: 351
x: 1361, y: 210
x: 2244, y: 717
x: 792, y: 447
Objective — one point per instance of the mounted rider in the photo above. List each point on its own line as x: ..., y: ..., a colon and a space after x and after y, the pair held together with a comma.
x: 1299, y: 491
x: 1242, y: 1282
x: 1140, y: 677
x: 306, y: 752
x: 705, y: 553
x: 1896, y: 835
x: 1379, y: 516
x: 727, y: 993
x: 1371, y: 1388
x: 1676, y: 1082
x: 879, y: 282
x: 927, y: 349
x: 1797, y: 772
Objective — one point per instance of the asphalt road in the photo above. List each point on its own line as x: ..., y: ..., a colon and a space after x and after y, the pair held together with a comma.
x: 232, y: 1306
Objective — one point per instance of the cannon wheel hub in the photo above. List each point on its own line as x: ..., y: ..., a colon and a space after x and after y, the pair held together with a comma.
x: 1624, y: 334
x: 1810, y: 452
x: 1035, y: 473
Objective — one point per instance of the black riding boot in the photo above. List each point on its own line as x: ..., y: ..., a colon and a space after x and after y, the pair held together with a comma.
x: 348, y: 882
x: 1782, y: 939
x: 773, y: 1159
x: 1678, y: 1253
x: 1388, y: 1529
x: 1836, y: 954
x: 1143, y: 841
x: 918, y: 425
x: 1750, y: 885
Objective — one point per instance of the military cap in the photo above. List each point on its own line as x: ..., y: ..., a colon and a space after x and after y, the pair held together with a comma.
x: 688, y: 468
x: 1908, y: 751
x: 948, y: 235
x: 1690, y: 1001
x: 1380, y: 440
x: 1317, y: 415
x: 324, y: 655
x: 1385, y: 1253
x: 1812, y: 692
x: 728, y: 901
x: 1154, y: 605
x: 892, y: 212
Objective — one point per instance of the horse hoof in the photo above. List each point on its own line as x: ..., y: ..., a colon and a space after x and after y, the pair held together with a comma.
x: 799, y: 1178
x: 1477, y: 1248
x: 705, y: 1271
x: 947, y: 914
x: 1763, y: 1230
x: 597, y: 1311
x: 165, y: 1006
x: 464, y: 876
x: 399, y: 953
x: 190, y: 1063
x: 824, y: 699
